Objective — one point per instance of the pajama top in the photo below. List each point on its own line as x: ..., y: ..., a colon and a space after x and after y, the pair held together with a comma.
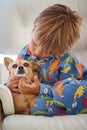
x: 63, y: 88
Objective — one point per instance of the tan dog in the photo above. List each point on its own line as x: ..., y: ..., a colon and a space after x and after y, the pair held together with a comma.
x: 20, y: 67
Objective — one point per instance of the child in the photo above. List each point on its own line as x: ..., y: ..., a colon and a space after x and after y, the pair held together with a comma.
x: 63, y: 86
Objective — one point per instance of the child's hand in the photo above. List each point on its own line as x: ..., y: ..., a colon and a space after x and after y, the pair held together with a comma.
x: 13, y: 84
x: 32, y: 89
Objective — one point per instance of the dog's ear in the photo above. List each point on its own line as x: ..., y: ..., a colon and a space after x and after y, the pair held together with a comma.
x: 36, y: 67
x: 7, y: 61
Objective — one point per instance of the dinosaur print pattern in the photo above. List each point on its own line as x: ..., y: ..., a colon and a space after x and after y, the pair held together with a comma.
x: 63, y: 87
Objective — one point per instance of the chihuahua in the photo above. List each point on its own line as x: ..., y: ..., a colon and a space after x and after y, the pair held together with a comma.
x: 26, y: 69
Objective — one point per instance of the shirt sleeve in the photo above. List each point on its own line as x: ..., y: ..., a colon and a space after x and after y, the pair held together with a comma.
x: 70, y: 67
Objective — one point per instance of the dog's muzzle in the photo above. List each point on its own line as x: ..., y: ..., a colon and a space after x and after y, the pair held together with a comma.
x: 21, y: 70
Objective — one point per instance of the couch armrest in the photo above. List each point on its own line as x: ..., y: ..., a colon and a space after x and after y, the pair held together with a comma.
x: 7, y: 100
x: 0, y: 118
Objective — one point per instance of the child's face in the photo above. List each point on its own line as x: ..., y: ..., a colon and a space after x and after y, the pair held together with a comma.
x: 36, y: 49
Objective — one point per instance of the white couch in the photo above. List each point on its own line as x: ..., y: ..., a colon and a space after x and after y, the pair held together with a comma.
x: 16, y: 24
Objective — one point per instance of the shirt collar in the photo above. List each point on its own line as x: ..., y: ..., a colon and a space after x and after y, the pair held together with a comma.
x: 49, y: 58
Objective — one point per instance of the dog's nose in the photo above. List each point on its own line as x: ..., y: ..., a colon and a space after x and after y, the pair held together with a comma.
x: 20, y: 68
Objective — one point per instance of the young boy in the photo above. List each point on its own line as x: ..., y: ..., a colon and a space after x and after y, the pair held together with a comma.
x: 63, y: 86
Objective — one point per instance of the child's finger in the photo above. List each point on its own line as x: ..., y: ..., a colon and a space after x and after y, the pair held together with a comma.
x: 36, y: 79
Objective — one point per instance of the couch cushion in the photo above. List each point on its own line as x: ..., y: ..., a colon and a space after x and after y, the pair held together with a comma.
x: 20, y: 122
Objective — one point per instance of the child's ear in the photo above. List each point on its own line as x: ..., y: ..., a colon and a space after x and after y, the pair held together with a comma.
x: 7, y: 61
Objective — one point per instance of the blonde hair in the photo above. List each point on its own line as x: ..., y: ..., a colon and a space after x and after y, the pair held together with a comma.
x: 57, y: 28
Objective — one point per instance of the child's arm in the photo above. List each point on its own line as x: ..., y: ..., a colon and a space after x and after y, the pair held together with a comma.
x: 36, y: 88
x: 70, y: 67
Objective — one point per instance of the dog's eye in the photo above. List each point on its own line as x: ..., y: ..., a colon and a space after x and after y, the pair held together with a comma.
x: 14, y: 66
x: 26, y: 64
